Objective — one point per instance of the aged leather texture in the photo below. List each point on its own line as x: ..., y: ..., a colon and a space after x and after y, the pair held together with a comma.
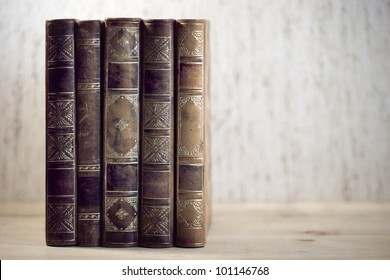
x: 88, y: 131
x: 121, y: 145
x: 60, y: 133
x: 192, y: 168
x: 157, y: 134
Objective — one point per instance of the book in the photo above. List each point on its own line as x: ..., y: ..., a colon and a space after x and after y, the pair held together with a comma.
x: 157, y: 134
x: 192, y: 146
x: 121, y: 132
x: 88, y: 131
x: 60, y: 133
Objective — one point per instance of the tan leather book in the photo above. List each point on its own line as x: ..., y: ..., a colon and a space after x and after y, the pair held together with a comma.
x: 121, y: 132
x: 60, y: 133
x: 88, y: 131
x: 192, y: 156
x: 157, y: 134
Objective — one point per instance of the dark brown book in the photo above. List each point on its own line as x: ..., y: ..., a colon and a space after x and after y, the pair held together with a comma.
x: 121, y: 132
x: 192, y: 163
x: 157, y: 134
x: 88, y: 131
x: 60, y: 133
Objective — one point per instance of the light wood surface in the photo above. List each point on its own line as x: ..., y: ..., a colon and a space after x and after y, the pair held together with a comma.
x: 239, y: 231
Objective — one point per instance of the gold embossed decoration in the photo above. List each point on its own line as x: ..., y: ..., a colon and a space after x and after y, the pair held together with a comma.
x: 60, y: 147
x: 157, y: 49
x: 197, y: 100
x: 191, y: 43
x: 121, y: 214
x: 60, y: 48
x: 157, y: 115
x: 190, y: 213
x: 89, y: 216
x: 60, y: 113
x: 156, y: 149
x: 123, y: 42
x: 191, y: 142
x: 122, y: 132
x: 155, y: 220
x: 60, y: 218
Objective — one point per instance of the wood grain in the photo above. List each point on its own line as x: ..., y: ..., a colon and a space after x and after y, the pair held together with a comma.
x: 299, y: 95
x: 268, y: 231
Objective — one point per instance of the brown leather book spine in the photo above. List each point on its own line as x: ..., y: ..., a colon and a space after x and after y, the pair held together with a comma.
x: 157, y: 134
x: 88, y: 131
x: 60, y: 133
x: 121, y: 132
x: 192, y: 167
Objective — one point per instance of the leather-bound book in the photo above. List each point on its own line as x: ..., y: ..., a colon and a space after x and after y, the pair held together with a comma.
x: 192, y: 163
x: 121, y: 132
x: 88, y: 131
x: 60, y: 133
x: 157, y: 134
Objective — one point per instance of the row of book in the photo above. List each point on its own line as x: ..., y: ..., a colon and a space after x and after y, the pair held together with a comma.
x: 127, y: 133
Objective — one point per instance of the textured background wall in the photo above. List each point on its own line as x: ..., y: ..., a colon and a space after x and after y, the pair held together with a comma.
x: 300, y: 95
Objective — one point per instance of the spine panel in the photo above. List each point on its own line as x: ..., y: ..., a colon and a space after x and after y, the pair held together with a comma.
x: 157, y: 155
x: 60, y: 133
x: 88, y: 131
x: 121, y: 132
x: 191, y: 165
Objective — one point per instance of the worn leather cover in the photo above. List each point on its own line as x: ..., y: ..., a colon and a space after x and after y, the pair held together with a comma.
x: 157, y: 138
x: 60, y: 133
x: 88, y: 131
x: 121, y: 132
x: 192, y: 165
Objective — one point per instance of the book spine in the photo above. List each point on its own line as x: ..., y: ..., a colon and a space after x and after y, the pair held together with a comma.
x: 191, y: 145
x: 121, y: 132
x: 88, y: 131
x: 60, y: 133
x: 157, y: 134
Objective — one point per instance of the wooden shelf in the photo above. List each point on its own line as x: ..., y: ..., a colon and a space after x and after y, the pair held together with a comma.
x: 239, y: 231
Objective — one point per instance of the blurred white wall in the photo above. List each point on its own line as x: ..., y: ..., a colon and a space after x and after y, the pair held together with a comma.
x: 300, y: 95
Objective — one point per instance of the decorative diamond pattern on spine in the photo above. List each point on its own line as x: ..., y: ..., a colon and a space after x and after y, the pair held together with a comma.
x: 61, y: 218
x: 155, y: 220
x: 60, y: 147
x: 190, y: 213
x: 60, y: 48
x: 123, y: 42
x: 156, y: 149
x: 60, y: 113
x: 121, y: 214
x: 157, y: 115
x: 191, y: 43
x: 157, y: 49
